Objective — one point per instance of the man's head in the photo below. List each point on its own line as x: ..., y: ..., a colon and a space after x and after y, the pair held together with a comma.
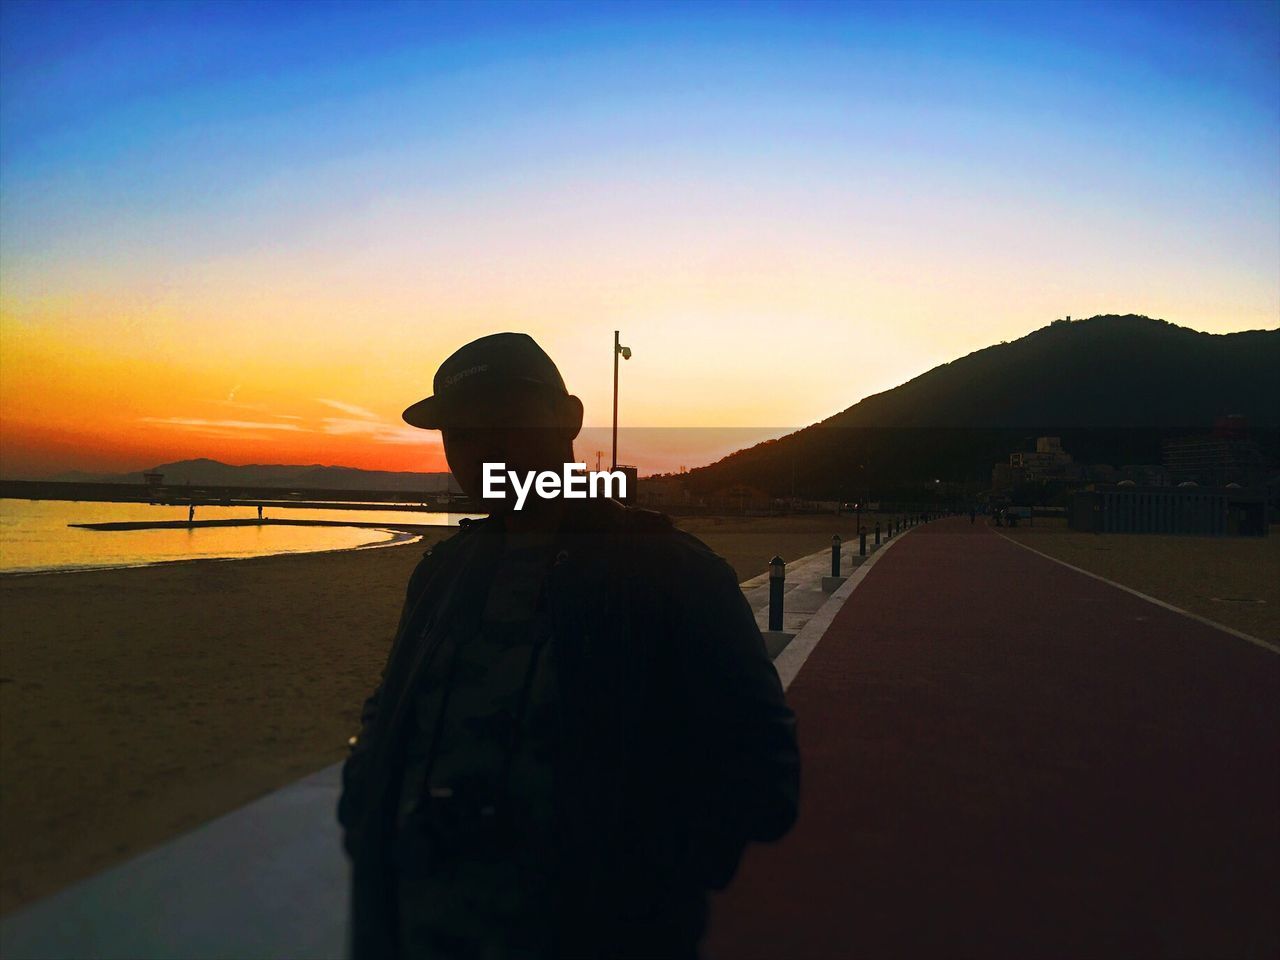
x: 500, y: 399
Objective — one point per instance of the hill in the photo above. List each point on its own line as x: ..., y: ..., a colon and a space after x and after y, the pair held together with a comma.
x: 205, y: 472
x: 1113, y: 387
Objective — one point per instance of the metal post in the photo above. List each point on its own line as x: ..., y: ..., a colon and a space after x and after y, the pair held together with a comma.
x: 835, y: 555
x: 616, y: 351
x: 862, y: 543
x: 877, y: 533
x: 777, y: 577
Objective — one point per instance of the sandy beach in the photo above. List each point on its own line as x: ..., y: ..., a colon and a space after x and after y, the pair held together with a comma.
x: 139, y: 703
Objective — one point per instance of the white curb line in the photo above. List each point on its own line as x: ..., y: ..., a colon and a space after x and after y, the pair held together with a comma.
x: 793, y: 656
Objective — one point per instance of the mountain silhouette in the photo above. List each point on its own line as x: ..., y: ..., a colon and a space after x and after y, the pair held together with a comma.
x: 205, y: 472
x: 1113, y: 387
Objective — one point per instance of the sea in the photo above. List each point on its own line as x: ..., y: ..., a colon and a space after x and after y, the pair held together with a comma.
x: 36, y: 536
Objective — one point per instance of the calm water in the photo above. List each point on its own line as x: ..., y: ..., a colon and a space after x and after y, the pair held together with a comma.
x: 34, y: 535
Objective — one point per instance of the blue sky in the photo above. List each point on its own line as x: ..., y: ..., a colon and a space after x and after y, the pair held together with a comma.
x: 363, y: 187
x: 134, y: 107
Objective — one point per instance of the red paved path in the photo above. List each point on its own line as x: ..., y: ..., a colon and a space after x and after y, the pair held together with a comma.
x: 1004, y: 757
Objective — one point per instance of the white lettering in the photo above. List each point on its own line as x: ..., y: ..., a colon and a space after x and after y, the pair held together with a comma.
x: 608, y: 478
x: 548, y: 485
x: 521, y: 492
x: 574, y: 484
x: 575, y: 481
x: 494, y: 473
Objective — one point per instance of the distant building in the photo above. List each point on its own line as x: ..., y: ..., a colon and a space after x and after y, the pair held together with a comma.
x: 155, y: 484
x: 632, y: 473
x: 1144, y: 475
x: 664, y: 491
x: 740, y: 498
x: 1190, y: 510
x: 1047, y: 462
x: 1227, y: 455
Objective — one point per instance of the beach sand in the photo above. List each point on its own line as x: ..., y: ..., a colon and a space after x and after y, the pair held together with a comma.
x: 137, y: 704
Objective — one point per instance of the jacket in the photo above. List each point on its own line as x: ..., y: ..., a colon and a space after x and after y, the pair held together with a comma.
x: 677, y: 746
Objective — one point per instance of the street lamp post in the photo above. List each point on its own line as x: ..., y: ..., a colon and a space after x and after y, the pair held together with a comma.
x: 625, y: 352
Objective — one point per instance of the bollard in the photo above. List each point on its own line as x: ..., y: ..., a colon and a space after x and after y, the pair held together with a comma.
x: 835, y: 555
x: 877, y: 533
x: 777, y: 576
x: 862, y: 543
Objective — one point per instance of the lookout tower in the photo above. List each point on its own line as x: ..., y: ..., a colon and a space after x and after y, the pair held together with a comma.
x: 153, y: 481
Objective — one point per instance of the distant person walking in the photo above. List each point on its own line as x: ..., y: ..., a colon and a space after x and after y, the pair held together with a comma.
x: 191, y: 513
x: 577, y: 730
x: 259, y: 511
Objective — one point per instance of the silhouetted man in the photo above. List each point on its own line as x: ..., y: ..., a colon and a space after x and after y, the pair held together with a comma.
x: 577, y: 730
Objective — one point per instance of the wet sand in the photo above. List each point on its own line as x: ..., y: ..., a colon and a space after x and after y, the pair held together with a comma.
x: 138, y: 703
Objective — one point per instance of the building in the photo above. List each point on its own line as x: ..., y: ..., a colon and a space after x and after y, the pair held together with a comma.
x: 1188, y: 510
x: 632, y: 475
x: 1047, y: 462
x: 662, y: 491
x: 1142, y: 475
x: 740, y: 499
x: 1227, y: 455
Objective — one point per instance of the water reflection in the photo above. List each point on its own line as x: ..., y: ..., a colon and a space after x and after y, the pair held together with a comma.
x: 35, y: 536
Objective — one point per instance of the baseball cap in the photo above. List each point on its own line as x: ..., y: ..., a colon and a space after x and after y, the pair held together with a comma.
x: 495, y: 361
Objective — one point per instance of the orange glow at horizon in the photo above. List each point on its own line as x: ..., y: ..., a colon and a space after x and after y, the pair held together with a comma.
x: 115, y: 404
x: 100, y: 388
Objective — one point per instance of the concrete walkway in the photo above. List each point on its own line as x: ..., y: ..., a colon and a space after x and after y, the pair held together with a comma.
x: 803, y: 594
x: 1004, y: 757
x: 269, y: 879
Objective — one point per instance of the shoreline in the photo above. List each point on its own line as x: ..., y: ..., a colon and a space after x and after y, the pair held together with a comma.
x: 397, y: 539
x: 140, y: 702
x: 408, y: 533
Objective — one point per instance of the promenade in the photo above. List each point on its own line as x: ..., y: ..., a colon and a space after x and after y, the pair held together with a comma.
x: 1006, y: 758
x: 268, y: 879
x: 1003, y: 757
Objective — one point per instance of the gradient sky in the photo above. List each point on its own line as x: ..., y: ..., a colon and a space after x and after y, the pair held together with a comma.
x: 252, y: 231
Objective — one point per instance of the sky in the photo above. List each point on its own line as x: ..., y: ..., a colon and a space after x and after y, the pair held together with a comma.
x: 253, y: 231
